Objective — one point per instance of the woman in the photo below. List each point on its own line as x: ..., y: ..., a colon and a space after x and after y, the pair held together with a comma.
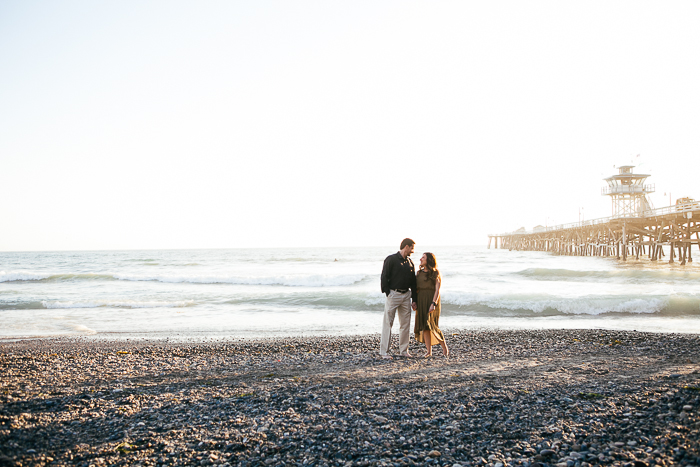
x: 428, y: 313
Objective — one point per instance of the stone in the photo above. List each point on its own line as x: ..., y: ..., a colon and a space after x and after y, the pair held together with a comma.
x: 337, y: 420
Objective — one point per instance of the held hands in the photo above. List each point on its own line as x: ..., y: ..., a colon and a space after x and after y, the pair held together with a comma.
x: 414, y: 305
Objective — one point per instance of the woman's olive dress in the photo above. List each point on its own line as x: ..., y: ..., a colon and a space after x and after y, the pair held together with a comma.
x: 426, y: 321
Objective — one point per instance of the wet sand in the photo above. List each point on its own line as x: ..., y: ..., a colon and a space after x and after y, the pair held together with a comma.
x: 566, y: 398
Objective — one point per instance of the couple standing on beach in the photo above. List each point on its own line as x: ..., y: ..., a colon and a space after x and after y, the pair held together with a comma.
x: 405, y: 290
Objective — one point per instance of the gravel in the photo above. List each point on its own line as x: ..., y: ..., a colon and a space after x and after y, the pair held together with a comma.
x: 569, y: 398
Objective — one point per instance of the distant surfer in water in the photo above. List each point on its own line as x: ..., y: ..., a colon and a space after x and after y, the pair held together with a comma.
x: 399, y: 286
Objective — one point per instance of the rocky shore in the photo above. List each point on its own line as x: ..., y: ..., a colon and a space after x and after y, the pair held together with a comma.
x: 503, y: 398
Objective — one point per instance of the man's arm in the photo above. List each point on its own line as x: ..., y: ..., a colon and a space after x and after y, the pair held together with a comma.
x: 414, y: 286
x: 386, y: 272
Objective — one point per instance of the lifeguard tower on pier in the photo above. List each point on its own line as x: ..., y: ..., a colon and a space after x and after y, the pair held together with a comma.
x: 628, y: 193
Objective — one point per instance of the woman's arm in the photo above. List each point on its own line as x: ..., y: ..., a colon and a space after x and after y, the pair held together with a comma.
x: 437, y: 293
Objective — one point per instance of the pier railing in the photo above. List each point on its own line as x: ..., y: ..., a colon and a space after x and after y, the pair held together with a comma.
x: 689, y: 207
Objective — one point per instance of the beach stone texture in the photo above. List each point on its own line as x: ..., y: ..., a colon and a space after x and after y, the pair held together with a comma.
x: 573, y: 398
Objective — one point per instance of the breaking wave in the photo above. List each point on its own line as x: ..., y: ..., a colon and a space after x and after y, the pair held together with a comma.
x: 66, y: 304
x: 117, y: 304
x: 465, y: 303
x: 299, y: 280
x: 626, y: 275
x: 13, y: 276
x: 21, y: 276
x: 311, y: 280
x: 514, y: 305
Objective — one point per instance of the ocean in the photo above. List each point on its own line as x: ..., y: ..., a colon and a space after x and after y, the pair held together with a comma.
x: 329, y: 291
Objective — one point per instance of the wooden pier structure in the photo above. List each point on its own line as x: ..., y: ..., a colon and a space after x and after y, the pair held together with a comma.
x: 635, y: 228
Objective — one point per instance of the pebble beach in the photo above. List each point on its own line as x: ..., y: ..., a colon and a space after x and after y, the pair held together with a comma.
x: 504, y: 398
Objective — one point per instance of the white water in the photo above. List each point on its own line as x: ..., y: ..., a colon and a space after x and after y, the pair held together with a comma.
x: 262, y: 292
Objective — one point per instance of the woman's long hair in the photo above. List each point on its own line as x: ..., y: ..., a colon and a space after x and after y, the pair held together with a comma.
x: 431, y: 267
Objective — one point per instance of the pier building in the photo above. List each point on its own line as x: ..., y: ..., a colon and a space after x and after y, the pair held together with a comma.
x: 628, y: 193
x: 635, y: 228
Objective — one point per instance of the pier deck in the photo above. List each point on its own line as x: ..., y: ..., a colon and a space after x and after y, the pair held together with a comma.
x: 620, y: 236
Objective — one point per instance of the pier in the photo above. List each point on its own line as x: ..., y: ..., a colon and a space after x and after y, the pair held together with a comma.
x: 634, y: 230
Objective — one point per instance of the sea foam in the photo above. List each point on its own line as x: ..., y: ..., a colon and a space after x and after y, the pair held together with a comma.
x: 21, y: 276
x: 618, y: 275
x: 298, y: 280
x: 587, y: 305
x: 117, y: 304
x: 311, y: 280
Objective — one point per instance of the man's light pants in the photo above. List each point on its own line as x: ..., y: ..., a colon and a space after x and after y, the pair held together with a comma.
x: 401, y: 302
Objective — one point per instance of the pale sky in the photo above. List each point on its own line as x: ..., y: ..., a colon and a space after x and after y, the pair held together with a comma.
x: 132, y: 124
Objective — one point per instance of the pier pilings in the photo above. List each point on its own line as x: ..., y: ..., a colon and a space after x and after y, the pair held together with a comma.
x: 621, y: 238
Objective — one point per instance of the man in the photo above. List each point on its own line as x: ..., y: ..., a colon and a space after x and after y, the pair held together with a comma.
x: 399, y: 285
